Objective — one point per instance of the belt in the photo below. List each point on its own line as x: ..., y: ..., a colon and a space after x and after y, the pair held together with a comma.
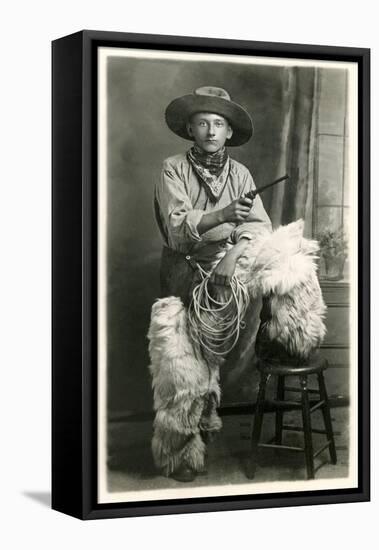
x: 189, y: 259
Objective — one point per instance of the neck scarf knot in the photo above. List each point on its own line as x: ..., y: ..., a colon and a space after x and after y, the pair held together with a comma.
x: 211, y: 168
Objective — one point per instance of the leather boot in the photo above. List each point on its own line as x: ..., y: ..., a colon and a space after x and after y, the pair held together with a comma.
x: 183, y: 474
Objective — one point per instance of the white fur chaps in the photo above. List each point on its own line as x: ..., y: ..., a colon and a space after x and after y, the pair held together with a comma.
x: 186, y: 390
x: 279, y: 265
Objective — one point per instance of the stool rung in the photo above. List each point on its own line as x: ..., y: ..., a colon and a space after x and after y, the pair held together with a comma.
x: 321, y: 449
x: 285, y: 403
x: 300, y: 429
x: 291, y: 388
x: 317, y: 406
x: 286, y: 447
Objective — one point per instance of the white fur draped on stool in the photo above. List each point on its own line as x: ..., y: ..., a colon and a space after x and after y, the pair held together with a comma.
x: 281, y: 265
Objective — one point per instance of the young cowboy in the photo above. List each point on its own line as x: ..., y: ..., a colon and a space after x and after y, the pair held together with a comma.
x: 203, y: 219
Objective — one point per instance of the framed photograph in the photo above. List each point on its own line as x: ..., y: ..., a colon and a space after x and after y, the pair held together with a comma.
x: 211, y: 269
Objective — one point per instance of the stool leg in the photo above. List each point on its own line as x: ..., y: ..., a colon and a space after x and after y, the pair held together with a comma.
x: 257, y: 428
x: 327, y: 418
x: 279, y: 411
x: 307, y: 426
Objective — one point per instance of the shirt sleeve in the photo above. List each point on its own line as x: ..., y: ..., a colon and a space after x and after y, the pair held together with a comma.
x: 175, y: 206
x: 257, y: 220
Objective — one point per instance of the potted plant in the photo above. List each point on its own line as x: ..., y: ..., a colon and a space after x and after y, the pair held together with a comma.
x: 333, y: 248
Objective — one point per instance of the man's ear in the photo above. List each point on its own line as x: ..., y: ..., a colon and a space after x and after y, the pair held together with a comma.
x: 230, y: 132
x: 189, y: 129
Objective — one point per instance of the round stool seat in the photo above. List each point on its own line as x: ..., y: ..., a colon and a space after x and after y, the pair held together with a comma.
x: 314, y: 366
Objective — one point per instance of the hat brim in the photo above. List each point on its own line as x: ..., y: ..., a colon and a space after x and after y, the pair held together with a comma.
x: 181, y: 109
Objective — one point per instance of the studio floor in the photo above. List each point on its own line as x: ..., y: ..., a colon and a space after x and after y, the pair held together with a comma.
x: 131, y: 468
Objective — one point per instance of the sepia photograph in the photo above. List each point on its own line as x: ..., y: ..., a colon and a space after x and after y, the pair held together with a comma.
x: 187, y: 295
x: 227, y: 275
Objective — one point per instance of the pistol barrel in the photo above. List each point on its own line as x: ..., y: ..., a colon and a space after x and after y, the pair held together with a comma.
x: 255, y: 192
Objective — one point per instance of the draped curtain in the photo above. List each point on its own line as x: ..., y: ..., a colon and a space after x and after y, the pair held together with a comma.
x: 299, y: 108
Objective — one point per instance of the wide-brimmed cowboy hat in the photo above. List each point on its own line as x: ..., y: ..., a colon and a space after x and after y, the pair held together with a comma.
x: 209, y: 99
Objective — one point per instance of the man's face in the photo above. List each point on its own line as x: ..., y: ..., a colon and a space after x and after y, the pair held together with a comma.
x: 210, y: 131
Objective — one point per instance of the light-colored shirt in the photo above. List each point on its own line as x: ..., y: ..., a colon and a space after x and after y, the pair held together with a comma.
x: 181, y: 201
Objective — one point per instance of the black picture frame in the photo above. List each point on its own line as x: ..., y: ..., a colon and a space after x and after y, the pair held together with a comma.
x: 74, y: 273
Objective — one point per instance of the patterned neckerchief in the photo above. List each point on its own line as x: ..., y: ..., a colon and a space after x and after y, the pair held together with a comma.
x: 212, y: 169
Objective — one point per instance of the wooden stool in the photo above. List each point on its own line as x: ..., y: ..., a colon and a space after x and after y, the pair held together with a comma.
x: 317, y: 366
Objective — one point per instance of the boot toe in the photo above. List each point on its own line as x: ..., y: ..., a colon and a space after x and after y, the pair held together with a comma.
x: 183, y: 474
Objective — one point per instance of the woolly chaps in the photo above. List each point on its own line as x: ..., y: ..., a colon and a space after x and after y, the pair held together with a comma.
x: 186, y: 390
x: 278, y: 266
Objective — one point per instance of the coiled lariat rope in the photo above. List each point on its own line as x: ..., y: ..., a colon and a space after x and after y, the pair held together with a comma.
x: 215, y: 325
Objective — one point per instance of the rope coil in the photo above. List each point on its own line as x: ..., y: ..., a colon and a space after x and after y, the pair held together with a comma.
x: 214, y: 324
